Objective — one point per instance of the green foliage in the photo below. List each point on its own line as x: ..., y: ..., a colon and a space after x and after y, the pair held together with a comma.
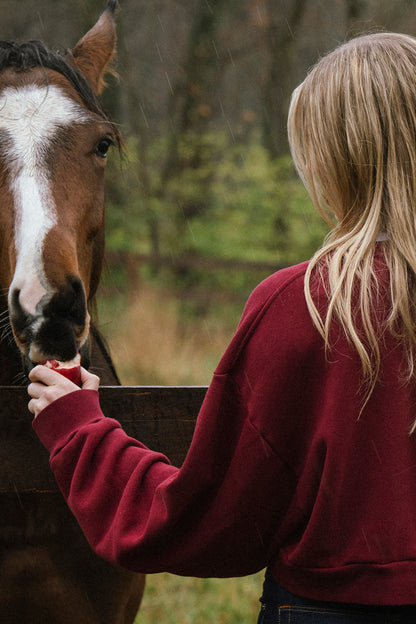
x: 258, y: 211
x: 176, y: 600
x: 224, y: 201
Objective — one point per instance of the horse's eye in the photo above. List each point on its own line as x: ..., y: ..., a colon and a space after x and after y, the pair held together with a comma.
x: 103, y: 147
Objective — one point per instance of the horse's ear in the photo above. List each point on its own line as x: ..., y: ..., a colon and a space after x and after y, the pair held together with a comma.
x: 93, y: 53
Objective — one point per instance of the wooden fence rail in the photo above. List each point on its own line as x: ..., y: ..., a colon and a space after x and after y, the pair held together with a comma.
x: 163, y: 418
x: 135, y: 260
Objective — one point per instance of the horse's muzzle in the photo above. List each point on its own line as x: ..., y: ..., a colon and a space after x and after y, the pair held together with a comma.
x: 59, y: 327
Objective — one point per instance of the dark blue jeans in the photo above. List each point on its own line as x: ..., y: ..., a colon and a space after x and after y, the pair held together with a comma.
x: 281, y: 607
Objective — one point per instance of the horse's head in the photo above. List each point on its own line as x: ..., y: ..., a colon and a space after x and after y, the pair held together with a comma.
x: 54, y: 138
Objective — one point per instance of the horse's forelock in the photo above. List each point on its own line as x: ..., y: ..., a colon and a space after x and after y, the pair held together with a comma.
x: 27, y: 55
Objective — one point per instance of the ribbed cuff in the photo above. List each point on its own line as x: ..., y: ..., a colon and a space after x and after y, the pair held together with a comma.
x: 65, y: 415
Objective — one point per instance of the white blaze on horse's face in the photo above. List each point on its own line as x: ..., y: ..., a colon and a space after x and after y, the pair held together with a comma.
x: 29, y: 117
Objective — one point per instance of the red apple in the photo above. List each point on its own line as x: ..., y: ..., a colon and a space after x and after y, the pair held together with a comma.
x: 71, y: 370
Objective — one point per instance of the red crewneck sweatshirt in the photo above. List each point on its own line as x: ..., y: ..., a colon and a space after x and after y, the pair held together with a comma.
x: 283, y: 471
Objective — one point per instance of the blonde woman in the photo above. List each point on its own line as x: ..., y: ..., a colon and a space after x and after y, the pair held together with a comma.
x: 304, y: 457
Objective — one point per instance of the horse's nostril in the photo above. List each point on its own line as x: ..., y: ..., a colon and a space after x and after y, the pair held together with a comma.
x: 21, y: 319
x: 78, y: 309
x: 69, y: 302
x: 15, y: 301
x: 15, y: 297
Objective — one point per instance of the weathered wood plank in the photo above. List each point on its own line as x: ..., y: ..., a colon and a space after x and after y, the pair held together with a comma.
x: 163, y: 418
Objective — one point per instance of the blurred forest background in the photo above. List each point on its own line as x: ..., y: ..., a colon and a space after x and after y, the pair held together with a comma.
x: 204, y: 202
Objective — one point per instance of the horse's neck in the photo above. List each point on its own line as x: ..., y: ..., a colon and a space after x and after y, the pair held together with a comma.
x: 11, y: 370
x: 101, y: 362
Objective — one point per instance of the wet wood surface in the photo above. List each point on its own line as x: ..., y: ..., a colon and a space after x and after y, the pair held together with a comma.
x: 163, y: 418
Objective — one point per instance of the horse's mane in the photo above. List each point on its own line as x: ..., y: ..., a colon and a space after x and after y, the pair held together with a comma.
x: 26, y: 55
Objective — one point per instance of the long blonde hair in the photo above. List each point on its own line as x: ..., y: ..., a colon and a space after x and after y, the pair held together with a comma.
x: 352, y: 131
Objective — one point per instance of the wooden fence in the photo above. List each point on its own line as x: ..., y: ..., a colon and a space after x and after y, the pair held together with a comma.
x: 132, y: 262
x: 135, y: 260
x: 163, y: 418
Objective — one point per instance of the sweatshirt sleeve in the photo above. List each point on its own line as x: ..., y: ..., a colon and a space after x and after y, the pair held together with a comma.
x: 216, y: 516
x: 220, y: 514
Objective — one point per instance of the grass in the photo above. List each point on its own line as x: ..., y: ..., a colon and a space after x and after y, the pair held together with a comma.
x: 153, y: 342
x: 175, y: 600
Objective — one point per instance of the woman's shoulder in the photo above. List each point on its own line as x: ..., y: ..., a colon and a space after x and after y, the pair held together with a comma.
x: 276, y: 308
x: 287, y: 279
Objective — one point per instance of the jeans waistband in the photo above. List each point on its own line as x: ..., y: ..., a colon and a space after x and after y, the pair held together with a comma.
x: 275, y: 595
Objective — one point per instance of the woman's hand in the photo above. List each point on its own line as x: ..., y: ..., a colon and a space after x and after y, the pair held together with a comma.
x: 47, y: 385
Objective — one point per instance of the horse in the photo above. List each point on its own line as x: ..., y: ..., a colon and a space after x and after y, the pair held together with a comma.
x: 54, y: 140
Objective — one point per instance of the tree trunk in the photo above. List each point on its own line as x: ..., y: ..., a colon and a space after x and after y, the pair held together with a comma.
x: 283, y: 17
x: 192, y: 102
